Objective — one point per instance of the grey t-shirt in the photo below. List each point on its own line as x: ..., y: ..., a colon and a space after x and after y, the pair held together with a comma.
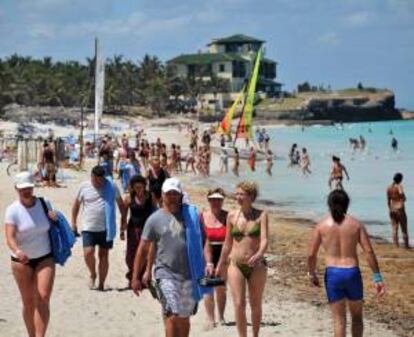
x: 93, y: 215
x: 168, y: 233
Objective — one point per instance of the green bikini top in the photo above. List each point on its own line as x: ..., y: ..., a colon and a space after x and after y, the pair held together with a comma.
x: 238, y: 235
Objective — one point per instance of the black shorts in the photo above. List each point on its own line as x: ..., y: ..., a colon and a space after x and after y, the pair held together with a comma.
x: 33, y: 263
x: 216, y: 252
x: 92, y: 239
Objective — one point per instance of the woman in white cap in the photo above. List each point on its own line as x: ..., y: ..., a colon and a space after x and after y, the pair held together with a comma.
x: 214, y: 223
x: 27, y: 235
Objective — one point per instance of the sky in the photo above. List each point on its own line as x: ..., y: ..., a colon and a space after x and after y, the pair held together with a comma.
x: 326, y: 42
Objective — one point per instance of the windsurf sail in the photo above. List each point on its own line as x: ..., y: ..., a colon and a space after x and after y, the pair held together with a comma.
x: 244, y: 129
x: 225, y: 125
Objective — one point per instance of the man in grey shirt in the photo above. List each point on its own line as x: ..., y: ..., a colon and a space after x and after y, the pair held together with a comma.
x: 90, y: 196
x: 165, y: 230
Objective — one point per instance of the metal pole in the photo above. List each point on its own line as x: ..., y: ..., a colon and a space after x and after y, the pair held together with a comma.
x: 81, y: 140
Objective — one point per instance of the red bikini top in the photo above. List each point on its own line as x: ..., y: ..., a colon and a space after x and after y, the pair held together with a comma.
x: 214, y: 233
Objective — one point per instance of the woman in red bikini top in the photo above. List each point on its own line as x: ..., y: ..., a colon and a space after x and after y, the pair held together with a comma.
x: 214, y: 223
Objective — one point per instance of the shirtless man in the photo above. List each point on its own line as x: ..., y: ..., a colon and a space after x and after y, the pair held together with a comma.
x: 340, y: 234
x: 337, y: 172
x: 396, y: 199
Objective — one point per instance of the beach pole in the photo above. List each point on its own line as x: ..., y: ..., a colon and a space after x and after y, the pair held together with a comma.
x: 99, y: 88
x: 81, y: 140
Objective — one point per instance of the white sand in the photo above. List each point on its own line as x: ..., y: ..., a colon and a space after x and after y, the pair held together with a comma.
x: 77, y: 311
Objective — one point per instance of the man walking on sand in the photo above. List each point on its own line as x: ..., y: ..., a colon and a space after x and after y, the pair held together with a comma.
x: 340, y: 234
x: 396, y: 205
x: 176, y: 233
x: 98, y: 197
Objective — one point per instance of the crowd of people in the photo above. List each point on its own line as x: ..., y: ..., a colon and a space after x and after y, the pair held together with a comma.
x: 171, y: 244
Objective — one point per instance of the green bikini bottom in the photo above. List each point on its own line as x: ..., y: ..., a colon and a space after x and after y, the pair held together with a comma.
x: 247, y: 270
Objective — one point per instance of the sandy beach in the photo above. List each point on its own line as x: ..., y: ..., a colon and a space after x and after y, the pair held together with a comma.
x: 291, y: 306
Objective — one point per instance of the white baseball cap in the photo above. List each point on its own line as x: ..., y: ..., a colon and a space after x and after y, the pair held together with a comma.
x: 24, y: 180
x: 172, y: 184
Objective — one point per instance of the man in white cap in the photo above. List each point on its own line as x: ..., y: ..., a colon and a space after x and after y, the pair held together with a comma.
x: 166, y: 230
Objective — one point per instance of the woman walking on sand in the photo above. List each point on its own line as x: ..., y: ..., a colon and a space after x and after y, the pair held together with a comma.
x: 27, y: 236
x: 246, y: 242
x: 214, y: 223
x: 140, y: 206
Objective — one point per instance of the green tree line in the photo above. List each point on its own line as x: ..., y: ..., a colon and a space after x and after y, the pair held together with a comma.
x: 147, y: 82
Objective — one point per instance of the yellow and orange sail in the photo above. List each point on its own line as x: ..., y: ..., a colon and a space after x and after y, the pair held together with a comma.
x: 244, y: 129
x: 225, y: 125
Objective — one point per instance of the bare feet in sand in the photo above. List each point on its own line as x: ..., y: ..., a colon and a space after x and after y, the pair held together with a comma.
x: 91, y: 283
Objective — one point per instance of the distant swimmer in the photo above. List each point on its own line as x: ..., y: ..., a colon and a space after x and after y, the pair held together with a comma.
x: 396, y: 205
x: 337, y: 173
x: 292, y: 154
x: 305, y: 162
x: 394, y: 144
x: 362, y: 143
x: 340, y: 235
x: 269, y: 162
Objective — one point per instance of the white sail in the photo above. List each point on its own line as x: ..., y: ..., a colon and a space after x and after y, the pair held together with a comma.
x: 99, y: 86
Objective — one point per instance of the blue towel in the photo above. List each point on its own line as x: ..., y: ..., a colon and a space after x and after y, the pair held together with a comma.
x: 108, y: 192
x: 61, y: 236
x: 194, y: 238
x: 107, y: 165
x: 126, y: 175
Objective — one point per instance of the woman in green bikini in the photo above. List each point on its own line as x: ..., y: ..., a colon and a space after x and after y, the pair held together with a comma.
x: 246, y: 242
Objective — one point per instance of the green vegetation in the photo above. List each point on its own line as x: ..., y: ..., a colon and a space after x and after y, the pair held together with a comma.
x: 148, y: 83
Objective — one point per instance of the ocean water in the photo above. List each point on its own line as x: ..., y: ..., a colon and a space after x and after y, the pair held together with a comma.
x: 371, y: 171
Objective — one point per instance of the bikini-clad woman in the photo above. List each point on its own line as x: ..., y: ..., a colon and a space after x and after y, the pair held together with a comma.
x: 245, y: 244
x: 214, y: 223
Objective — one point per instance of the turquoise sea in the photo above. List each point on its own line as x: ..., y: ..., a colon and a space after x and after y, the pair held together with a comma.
x: 371, y: 171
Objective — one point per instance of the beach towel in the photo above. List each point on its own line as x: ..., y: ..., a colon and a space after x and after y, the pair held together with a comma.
x: 61, y: 236
x: 126, y: 174
x: 108, y: 192
x: 194, y: 239
x: 107, y: 165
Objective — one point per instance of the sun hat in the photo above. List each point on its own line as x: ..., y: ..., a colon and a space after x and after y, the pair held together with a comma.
x: 216, y: 195
x: 172, y: 184
x: 24, y: 180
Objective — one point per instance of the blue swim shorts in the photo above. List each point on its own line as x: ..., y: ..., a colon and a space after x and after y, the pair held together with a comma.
x: 343, y: 283
x: 92, y: 239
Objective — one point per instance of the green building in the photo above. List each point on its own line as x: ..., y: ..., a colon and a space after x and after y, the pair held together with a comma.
x: 230, y: 58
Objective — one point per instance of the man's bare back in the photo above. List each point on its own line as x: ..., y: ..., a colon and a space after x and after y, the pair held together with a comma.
x: 396, y: 197
x: 340, y: 241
